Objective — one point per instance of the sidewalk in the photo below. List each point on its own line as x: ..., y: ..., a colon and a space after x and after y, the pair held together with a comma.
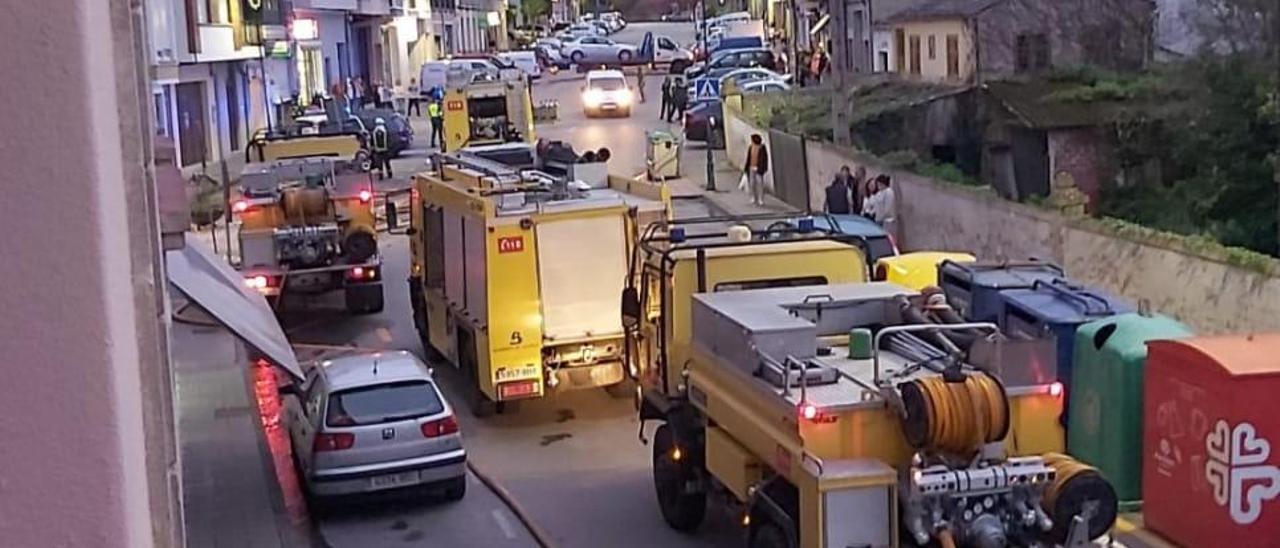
x: 235, y: 491
x: 726, y: 199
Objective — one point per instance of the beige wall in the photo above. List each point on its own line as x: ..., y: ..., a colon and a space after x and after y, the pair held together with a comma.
x: 935, y: 69
x: 1192, y: 283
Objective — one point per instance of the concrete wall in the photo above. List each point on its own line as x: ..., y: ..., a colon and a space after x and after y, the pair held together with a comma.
x: 1194, y: 285
x: 82, y: 465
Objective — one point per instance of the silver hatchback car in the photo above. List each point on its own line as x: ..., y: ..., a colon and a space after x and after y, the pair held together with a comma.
x: 372, y: 422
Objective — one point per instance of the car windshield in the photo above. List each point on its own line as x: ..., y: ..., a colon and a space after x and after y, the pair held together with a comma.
x: 383, y: 403
x: 608, y: 84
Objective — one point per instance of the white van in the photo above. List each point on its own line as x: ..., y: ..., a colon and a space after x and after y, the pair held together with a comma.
x: 734, y: 17
x: 525, y: 60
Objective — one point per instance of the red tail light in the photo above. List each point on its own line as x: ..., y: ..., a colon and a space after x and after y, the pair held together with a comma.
x: 362, y: 273
x: 517, y: 389
x: 1055, y: 389
x: 240, y: 206
x: 333, y: 442
x: 440, y: 427
x: 365, y: 196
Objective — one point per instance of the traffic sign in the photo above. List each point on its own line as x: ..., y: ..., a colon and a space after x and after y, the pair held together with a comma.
x: 706, y: 89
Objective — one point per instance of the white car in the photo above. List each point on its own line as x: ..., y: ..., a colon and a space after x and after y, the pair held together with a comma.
x: 372, y: 422
x: 525, y: 60
x: 606, y: 92
x: 583, y: 29
x: 752, y: 74
x: 763, y: 86
x: 598, y: 50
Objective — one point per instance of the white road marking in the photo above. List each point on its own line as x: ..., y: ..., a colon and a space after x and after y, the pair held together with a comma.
x: 500, y: 516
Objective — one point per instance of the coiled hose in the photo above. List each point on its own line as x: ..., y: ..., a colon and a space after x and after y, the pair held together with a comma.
x: 1076, y: 484
x: 955, y: 418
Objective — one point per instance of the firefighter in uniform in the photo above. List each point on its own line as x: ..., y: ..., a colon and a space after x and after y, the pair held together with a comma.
x: 437, y: 122
x: 381, y: 150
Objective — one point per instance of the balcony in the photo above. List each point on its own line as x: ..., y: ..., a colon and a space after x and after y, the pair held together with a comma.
x: 218, y: 43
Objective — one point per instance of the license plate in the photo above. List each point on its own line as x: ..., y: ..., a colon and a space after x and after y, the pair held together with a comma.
x: 393, y: 480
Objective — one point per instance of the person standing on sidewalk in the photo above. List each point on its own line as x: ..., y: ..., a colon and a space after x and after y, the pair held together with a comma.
x: 437, y: 123
x: 381, y: 150
x: 415, y: 99
x: 679, y: 99
x: 883, y: 206
x: 756, y: 166
x: 666, y: 99
x: 837, y: 202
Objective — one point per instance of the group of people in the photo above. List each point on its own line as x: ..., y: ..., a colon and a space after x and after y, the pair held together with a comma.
x: 675, y: 98
x: 435, y: 108
x: 855, y: 193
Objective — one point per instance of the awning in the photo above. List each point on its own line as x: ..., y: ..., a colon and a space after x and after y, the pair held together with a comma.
x: 822, y: 23
x: 211, y: 283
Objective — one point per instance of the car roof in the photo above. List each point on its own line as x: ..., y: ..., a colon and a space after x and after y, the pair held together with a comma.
x: 358, y: 370
x: 853, y: 225
x: 608, y: 73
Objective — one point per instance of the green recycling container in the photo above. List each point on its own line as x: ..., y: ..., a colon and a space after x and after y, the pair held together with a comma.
x: 1106, y: 396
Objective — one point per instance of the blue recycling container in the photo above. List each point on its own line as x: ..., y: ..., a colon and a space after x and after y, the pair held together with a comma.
x: 1055, y: 308
x: 973, y: 289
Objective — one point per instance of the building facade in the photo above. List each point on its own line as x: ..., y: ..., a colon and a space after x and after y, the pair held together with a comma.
x: 961, y: 41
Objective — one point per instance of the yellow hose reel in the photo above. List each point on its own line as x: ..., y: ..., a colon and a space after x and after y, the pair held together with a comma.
x: 956, y: 418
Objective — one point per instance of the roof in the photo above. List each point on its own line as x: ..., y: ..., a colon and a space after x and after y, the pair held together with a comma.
x: 358, y: 369
x: 853, y: 225
x: 772, y: 248
x: 942, y: 9
x: 1240, y: 355
x: 1040, y: 104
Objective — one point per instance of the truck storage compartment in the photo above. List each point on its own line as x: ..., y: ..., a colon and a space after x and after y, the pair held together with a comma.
x: 582, y: 268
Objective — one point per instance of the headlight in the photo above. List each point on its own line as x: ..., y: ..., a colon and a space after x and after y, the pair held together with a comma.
x: 592, y: 97
x: 623, y: 96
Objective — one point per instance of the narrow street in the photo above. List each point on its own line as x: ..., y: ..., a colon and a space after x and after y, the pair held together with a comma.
x: 574, y: 460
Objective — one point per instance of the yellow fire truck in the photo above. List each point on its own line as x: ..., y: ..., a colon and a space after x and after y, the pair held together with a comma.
x: 483, y: 109
x: 306, y: 223
x: 834, y: 412
x: 519, y: 254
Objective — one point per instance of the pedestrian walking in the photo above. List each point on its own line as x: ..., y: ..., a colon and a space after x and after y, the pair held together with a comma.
x: 415, y: 98
x: 437, y: 123
x: 838, y: 193
x: 379, y: 142
x: 679, y: 100
x: 666, y: 98
x: 640, y: 82
x: 756, y: 166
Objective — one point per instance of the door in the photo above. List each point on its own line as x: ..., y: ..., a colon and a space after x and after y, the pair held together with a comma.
x: 233, y: 108
x: 953, y: 56
x: 900, y: 48
x: 191, y: 124
x: 915, y: 55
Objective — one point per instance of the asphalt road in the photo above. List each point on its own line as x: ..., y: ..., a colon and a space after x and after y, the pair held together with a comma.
x: 573, y: 460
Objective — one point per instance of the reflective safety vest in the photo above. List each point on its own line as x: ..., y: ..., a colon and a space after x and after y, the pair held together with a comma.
x: 380, y: 139
x: 433, y: 110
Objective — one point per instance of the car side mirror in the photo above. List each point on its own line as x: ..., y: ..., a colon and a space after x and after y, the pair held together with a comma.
x: 630, y: 308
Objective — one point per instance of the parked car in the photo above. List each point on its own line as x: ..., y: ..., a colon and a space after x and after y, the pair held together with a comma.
x: 763, y: 86
x: 583, y: 29
x: 525, y: 60
x: 362, y: 122
x: 373, y: 422
x: 550, y: 58
x: 742, y: 76
x: 697, y: 120
x: 723, y: 62
x: 879, y: 243
x: 598, y: 50
x: 614, y: 20
x: 606, y: 92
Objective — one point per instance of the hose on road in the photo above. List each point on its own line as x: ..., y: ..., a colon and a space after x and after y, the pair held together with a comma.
x: 539, y: 536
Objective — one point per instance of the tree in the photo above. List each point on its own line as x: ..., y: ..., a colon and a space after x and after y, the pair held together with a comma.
x: 536, y: 10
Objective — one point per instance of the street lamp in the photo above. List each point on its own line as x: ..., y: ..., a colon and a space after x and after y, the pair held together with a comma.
x: 711, y: 121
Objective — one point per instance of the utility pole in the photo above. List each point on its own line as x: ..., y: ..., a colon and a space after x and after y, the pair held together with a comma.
x: 839, y: 13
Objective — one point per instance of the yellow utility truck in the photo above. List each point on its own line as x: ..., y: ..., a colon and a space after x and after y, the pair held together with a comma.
x: 487, y: 109
x: 306, y: 227
x: 853, y: 414
x: 518, y: 264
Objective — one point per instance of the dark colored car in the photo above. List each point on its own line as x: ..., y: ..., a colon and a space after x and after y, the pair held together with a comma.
x: 399, y: 130
x: 879, y: 243
x: 697, y: 120
x: 725, y: 61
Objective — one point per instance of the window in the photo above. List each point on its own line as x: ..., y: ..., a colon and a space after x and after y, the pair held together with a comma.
x: 915, y: 55
x: 766, y: 284
x: 390, y: 402
x: 933, y: 48
x: 900, y: 50
x: 953, y: 56
x: 664, y: 43
x: 216, y: 12
x: 1032, y: 52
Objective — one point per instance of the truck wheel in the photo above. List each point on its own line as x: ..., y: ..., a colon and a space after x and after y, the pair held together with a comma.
x: 672, y: 471
x: 624, y: 56
x: 768, y: 535
x: 576, y: 57
x: 479, y: 404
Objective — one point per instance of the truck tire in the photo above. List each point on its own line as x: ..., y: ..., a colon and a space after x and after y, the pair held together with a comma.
x: 477, y: 402
x: 364, y: 298
x: 768, y: 535
x: 683, y: 511
x: 576, y: 57
x: 624, y: 56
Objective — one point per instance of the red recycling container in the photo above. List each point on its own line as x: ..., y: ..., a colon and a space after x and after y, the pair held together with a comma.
x: 1211, y: 441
